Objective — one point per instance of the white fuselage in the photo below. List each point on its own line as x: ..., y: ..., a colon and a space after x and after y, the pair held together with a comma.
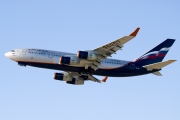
x: 53, y: 57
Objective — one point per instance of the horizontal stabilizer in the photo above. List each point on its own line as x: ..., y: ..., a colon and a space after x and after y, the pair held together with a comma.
x: 157, y: 73
x: 158, y: 65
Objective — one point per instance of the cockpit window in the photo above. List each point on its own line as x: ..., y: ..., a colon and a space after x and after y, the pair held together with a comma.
x: 12, y: 50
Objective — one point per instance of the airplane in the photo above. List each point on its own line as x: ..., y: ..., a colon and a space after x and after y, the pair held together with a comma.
x: 82, y: 66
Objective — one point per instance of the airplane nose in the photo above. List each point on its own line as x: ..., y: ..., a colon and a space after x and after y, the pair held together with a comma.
x: 7, y: 54
x: 11, y: 56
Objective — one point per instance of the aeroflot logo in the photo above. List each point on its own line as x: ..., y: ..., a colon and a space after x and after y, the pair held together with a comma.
x: 115, y: 43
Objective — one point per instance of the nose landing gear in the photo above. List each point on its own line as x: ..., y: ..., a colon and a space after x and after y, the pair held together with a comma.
x: 22, y: 64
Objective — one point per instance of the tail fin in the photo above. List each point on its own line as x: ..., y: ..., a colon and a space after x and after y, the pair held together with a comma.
x: 157, y: 54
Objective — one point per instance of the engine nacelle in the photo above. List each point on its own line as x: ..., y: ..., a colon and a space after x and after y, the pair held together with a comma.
x: 63, y: 77
x: 87, y: 55
x: 73, y: 60
x: 76, y: 81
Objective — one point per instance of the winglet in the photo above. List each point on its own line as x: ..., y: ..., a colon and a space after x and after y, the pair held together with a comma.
x: 135, y: 32
x: 104, y: 79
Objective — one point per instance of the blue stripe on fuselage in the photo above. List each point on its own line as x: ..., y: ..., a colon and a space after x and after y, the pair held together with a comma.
x: 130, y: 69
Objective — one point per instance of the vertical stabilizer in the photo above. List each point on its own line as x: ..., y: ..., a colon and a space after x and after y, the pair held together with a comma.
x: 157, y: 54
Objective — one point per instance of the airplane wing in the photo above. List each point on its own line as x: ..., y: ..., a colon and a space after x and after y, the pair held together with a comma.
x: 111, y: 48
x: 92, y: 58
x: 116, y: 45
x: 76, y: 78
x: 92, y: 78
x: 88, y: 77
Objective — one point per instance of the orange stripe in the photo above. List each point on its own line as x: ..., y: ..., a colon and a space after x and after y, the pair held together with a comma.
x: 135, y: 32
x: 104, y: 79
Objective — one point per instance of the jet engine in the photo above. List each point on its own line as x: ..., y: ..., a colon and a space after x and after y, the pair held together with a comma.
x: 76, y: 81
x: 72, y: 60
x: 87, y: 55
x: 69, y: 79
x: 62, y: 77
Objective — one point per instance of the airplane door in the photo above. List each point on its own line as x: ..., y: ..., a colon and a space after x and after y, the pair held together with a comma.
x: 50, y: 55
x: 24, y: 52
x: 132, y: 66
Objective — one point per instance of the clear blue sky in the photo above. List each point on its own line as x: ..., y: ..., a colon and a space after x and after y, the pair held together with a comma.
x: 28, y: 93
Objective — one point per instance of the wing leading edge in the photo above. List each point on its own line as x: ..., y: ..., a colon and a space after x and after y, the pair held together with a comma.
x: 117, y: 44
